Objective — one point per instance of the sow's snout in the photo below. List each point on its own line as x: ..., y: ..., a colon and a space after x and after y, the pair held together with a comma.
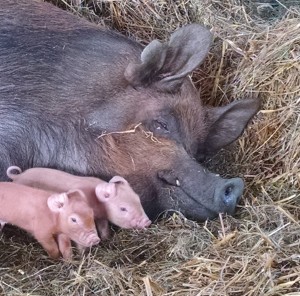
x: 199, y: 194
x: 229, y: 192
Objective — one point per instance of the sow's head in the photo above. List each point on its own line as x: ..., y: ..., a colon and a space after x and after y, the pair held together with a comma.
x: 176, y: 129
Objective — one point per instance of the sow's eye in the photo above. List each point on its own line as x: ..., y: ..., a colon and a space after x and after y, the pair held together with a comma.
x: 160, y: 126
x: 165, y: 124
x: 123, y: 209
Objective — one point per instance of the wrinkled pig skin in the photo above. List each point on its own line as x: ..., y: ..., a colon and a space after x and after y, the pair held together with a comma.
x: 53, y: 219
x: 81, y: 98
x: 113, y: 201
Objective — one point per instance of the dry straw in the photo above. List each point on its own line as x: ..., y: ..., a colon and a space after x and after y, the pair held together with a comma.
x: 256, y: 53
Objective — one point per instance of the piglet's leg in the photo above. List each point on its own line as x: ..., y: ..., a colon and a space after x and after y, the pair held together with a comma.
x: 49, y: 244
x: 2, y: 223
x: 103, y: 228
x: 65, y: 247
x: 81, y: 249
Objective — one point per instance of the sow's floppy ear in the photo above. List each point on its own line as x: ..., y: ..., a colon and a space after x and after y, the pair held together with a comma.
x: 227, y: 123
x: 165, y: 65
x: 57, y: 202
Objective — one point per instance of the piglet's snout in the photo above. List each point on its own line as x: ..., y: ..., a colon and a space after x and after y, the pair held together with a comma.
x: 143, y: 223
x: 90, y: 239
x: 95, y: 240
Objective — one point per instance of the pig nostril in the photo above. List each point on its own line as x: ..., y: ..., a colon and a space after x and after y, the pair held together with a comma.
x: 229, y: 197
x: 228, y: 190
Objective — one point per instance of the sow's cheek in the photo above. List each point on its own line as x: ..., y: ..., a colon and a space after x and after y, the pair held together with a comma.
x: 201, y: 201
x: 191, y: 207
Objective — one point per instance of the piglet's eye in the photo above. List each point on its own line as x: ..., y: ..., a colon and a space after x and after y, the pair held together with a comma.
x: 73, y: 220
x: 123, y: 209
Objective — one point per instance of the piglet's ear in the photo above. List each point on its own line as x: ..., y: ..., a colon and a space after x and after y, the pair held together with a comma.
x: 57, y: 202
x: 118, y: 179
x: 105, y: 191
x: 165, y: 65
x: 76, y: 192
x: 227, y: 123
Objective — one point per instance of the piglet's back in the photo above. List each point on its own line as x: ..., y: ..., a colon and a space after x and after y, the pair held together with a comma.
x: 23, y: 206
x: 53, y: 180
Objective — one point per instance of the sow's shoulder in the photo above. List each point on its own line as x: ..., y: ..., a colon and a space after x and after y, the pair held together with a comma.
x: 42, y: 43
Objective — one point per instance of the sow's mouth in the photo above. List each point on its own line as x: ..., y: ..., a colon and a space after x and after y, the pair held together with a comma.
x: 203, y: 202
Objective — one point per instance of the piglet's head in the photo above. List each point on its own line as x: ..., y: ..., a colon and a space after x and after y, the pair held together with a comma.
x: 76, y: 217
x: 123, y: 206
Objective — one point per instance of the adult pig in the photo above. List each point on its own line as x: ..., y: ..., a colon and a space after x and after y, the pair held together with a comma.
x: 114, y: 201
x: 53, y: 219
x: 80, y: 98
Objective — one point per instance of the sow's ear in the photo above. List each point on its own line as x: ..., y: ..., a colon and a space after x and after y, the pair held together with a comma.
x: 57, y: 202
x: 226, y: 123
x: 165, y: 65
x: 105, y: 191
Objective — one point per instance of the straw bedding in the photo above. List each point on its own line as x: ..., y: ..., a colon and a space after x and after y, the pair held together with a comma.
x: 255, y: 53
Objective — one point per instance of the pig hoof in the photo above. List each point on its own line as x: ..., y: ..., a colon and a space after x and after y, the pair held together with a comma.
x: 67, y: 259
x: 67, y: 256
x: 105, y: 236
x: 54, y: 256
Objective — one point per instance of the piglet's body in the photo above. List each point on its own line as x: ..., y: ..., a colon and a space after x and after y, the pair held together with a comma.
x: 113, y: 201
x: 53, y: 219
